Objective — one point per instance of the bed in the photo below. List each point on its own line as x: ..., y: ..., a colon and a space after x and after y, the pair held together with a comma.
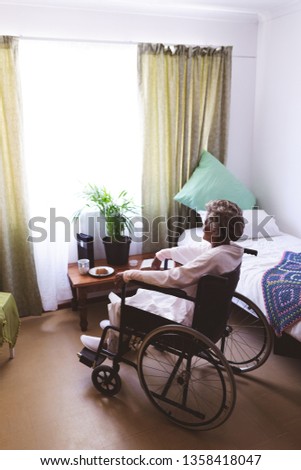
x: 211, y: 180
x: 262, y: 234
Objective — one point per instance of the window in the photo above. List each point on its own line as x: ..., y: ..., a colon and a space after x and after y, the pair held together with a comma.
x: 81, y: 124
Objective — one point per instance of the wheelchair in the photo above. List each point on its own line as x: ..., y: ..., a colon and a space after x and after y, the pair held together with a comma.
x: 187, y: 373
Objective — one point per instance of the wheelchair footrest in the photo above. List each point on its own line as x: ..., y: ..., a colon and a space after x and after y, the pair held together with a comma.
x: 89, y: 358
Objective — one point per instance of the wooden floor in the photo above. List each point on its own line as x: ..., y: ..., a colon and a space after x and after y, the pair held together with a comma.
x: 48, y: 401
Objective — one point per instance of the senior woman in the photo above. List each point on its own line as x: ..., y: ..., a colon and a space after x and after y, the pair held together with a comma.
x: 217, y: 254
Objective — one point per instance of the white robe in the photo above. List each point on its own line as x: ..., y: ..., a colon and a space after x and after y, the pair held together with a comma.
x: 196, y: 261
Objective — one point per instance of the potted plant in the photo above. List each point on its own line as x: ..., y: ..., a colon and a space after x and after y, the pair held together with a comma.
x: 116, y: 213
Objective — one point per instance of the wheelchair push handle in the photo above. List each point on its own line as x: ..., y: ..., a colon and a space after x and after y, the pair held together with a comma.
x: 250, y: 251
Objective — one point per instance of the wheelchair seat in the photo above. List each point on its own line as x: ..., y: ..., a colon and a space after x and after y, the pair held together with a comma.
x: 211, y: 306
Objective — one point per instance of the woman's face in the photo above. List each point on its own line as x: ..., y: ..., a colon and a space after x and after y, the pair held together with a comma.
x: 212, y: 232
x: 207, y: 231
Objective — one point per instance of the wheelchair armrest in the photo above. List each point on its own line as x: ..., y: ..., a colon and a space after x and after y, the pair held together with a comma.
x: 164, y: 290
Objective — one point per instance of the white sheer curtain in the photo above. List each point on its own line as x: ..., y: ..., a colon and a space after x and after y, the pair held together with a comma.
x: 80, y: 111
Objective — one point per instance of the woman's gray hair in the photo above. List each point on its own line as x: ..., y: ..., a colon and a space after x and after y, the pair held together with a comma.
x: 226, y: 219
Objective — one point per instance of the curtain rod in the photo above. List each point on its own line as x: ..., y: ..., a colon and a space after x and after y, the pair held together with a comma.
x: 116, y: 42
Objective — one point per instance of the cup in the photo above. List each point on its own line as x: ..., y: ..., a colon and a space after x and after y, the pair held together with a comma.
x: 133, y: 262
x: 83, y: 265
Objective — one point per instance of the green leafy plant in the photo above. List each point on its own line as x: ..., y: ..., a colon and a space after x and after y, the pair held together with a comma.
x: 116, y: 211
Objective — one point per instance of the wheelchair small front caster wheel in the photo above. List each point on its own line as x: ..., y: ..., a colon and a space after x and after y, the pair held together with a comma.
x: 106, y: 380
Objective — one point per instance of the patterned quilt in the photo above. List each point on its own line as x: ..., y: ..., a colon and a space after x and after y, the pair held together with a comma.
x: 281, y: 287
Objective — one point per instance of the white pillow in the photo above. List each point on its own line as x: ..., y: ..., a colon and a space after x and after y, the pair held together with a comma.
x: 259, y: 224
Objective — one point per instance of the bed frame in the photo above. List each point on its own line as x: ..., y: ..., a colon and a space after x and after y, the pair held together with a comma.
x: 287, y: 346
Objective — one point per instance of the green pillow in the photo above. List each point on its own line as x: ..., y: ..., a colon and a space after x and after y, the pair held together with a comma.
x: 211, y: 180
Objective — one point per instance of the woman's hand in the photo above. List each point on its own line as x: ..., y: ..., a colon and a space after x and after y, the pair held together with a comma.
x: 119, y: 281
x: 156, y: 264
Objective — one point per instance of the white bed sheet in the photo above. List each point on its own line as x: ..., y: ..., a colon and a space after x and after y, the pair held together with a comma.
x: 270, y: 252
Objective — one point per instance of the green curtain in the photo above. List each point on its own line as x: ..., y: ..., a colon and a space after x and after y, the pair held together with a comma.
x: 185, y: 97
x: 17, y: 273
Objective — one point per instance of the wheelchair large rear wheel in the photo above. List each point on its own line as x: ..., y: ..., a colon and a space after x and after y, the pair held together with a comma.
x: 248, y: 339
x: 186, y: 377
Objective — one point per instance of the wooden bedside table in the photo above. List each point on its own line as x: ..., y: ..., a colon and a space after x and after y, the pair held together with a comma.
x: 82, y: 285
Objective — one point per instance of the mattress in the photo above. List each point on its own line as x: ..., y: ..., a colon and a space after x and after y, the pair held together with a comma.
x: 270, y: 251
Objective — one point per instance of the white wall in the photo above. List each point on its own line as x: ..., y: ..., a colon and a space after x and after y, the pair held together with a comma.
x: 240, y: 150
x: 92, y: 25
x: 276, y: 163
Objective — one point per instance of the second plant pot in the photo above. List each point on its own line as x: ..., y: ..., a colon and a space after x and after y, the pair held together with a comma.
x: 117, y: 251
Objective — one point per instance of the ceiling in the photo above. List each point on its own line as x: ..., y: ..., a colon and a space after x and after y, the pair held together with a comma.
x: 169, y: 7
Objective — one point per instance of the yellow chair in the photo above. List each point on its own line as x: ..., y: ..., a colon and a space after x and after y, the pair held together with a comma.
x: 9, y: 322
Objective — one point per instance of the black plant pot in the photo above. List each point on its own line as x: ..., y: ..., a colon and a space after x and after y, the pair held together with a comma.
x: 117, y: 251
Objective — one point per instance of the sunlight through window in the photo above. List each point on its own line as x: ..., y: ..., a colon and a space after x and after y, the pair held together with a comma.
x: 80, y: 104
x: 81, y: 125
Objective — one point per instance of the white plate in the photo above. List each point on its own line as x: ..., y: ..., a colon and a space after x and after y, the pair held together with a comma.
x: 110, y: 271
